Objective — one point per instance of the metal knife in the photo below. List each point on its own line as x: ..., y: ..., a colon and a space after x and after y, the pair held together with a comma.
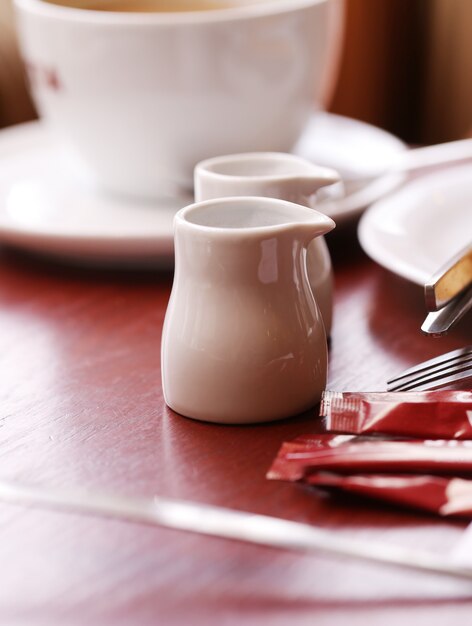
x: 229, y: 524
x: 450, y: 280
x: 438, y: 323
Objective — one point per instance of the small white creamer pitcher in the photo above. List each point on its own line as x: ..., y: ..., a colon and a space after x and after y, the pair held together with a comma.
x: 275, y: 175
x: 243, y: 339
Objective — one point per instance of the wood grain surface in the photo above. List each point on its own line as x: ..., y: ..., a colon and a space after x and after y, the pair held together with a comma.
x: 81, y: 405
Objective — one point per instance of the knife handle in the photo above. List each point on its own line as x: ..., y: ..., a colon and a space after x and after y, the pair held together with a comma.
x: 450, y: 280
x: 438, y: 323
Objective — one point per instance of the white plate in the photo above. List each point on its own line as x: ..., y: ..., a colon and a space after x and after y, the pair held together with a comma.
x: 416, y: 230
x: 44, y: 209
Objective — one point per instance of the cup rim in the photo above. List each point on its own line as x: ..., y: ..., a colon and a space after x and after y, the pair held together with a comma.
x: 259, y: 9
x: 209, y: 167
x: 181, y: 217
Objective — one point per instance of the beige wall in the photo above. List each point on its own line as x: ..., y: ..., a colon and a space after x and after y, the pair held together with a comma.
x: 407, y: 67
x: 380, y: 79
x: 15, y: 105
x: 447, y: 103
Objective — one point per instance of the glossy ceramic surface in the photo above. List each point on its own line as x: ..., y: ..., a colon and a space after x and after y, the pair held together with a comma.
x: 416, y: 230
x: 275, y: 175
x: 243, y: 340
x: 140, y: 98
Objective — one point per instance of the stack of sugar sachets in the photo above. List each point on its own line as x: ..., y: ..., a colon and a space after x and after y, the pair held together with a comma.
x: 409, y: 448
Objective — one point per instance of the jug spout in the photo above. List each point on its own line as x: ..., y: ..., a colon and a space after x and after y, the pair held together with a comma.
x: 315, y: 225
x: 269, y: 174
x: 309, y: 183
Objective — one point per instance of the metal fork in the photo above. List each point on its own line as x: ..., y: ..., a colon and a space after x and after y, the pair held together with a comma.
x: 447, y: 369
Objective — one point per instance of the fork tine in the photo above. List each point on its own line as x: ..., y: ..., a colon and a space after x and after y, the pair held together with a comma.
x: 431, y: 378
x: 442, y: 369
x: 437, y: 382
x: 433, y: 363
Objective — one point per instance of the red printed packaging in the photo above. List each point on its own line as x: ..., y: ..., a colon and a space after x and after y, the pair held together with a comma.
x: 428, y: 414
x: 353, y: 455
x: 338, y: 462
x: 443, y: 495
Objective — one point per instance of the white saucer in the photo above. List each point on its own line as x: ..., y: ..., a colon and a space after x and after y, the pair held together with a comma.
x: 44, y: 209
x: 416, y: 230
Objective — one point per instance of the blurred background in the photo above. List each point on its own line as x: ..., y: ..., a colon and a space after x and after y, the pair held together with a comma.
x: 406, y: 67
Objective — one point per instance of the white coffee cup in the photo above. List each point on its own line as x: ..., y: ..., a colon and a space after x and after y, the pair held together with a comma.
x: 140, y: 98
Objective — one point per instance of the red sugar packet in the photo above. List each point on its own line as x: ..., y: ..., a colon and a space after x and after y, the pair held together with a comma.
x: 353, y: 455
x: 443, y: 495
x: 429, y: 414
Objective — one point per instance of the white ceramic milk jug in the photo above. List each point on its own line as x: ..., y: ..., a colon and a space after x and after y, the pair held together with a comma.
x: 275, y: 175
x: 243, y: 339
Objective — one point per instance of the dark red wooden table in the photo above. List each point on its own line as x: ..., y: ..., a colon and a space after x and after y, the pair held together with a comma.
x: 81, y: 405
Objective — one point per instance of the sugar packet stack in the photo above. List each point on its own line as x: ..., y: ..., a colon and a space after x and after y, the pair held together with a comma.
x: 412, y: 448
